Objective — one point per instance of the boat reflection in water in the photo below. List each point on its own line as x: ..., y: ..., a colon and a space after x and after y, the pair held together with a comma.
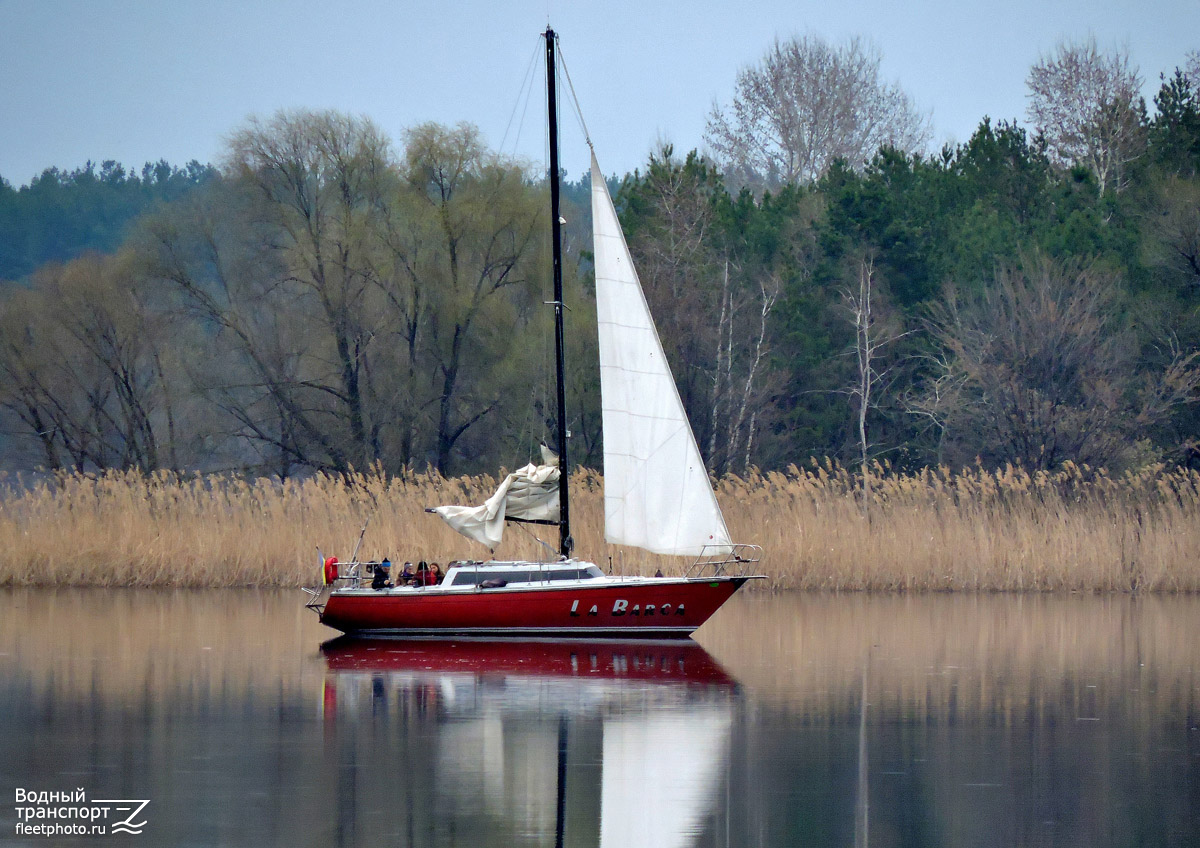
x: 530, y: 735
x: 899, y: 720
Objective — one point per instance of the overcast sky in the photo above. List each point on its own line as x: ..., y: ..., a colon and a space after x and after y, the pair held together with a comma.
x: 141, y: 80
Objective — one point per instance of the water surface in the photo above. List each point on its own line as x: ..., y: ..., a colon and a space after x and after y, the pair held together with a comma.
x: 793, y: 720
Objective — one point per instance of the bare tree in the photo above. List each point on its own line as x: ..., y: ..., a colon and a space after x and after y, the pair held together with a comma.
x: 805, y: 104
x: 1191, y: 69
x: 351, y: 303
x: 1173, y: 242
x: 469, y: 260
x: 1088, y: 105
x: 691, y: 276
x: 1042, y: 371
x: 870, y: 338
x: 744, y: 344
x: 259, y: 359
x: 32, y: 395
x: 321, y: 176
x: 937, y: 398
x: 680, y: 263
x: 82, y: 371
x: 865, y: 348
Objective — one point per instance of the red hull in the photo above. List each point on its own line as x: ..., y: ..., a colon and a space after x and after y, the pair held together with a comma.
x: 660, y: 661
x: 654, y: 608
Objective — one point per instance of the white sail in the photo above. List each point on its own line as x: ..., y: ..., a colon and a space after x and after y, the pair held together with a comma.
x: 529, y: 493
x: 657, y: 495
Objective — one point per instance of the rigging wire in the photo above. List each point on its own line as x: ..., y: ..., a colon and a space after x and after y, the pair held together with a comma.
x: 547, y: 343
x: 524, y: 93
x: 536, y: 538
x: 562, y: 61
x: 533, y: 432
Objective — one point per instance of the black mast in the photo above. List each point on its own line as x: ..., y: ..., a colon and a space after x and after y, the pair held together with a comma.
x: 564, y: 514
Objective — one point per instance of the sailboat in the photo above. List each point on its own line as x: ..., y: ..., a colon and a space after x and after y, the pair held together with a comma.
x: 657, y: 493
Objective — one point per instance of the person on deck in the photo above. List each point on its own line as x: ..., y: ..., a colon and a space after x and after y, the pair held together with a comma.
x: 380, y: 580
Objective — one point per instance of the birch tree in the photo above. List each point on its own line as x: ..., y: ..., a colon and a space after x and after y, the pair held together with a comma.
x: 1191, y: 69
x: 803, y: 105
x: 1087, y: 103
x: 871, y: 336
x: 693, y: 274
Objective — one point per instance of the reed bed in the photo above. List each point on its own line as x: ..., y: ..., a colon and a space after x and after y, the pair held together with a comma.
x: 1076, y: 529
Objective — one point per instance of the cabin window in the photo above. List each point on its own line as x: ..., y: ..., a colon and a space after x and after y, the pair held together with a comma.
x: 471, y: 577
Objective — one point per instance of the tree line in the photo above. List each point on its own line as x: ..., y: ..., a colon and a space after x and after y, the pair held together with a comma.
x: 62, y: 214
x: 823, y: 285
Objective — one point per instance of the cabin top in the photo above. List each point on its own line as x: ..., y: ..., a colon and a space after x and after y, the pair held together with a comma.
x: 502, y: 573
x: 490, y: 574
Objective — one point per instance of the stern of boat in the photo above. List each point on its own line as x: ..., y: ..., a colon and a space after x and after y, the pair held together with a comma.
x: 337, y: 575
x: 318, y: 596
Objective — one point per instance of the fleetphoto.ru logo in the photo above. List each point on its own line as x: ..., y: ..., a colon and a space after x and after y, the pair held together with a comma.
x: 70, y: 813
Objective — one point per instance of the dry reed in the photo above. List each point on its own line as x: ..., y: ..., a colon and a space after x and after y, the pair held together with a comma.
x: 1076, y: 529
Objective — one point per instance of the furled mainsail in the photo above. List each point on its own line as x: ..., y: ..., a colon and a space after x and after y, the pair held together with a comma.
x: 528, y: 494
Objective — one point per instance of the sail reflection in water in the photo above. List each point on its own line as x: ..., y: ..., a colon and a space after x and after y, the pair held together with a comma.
x: 534, y: 733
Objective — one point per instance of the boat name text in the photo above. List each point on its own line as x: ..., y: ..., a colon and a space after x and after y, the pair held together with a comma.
x: 621, y: 607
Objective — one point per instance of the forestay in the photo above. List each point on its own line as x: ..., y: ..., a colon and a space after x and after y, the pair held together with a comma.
x: 528, y: 494
x: 657, y: 494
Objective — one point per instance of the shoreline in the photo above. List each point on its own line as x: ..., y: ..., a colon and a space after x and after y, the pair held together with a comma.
x: 1075, y: 530
x: 758, y: 589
